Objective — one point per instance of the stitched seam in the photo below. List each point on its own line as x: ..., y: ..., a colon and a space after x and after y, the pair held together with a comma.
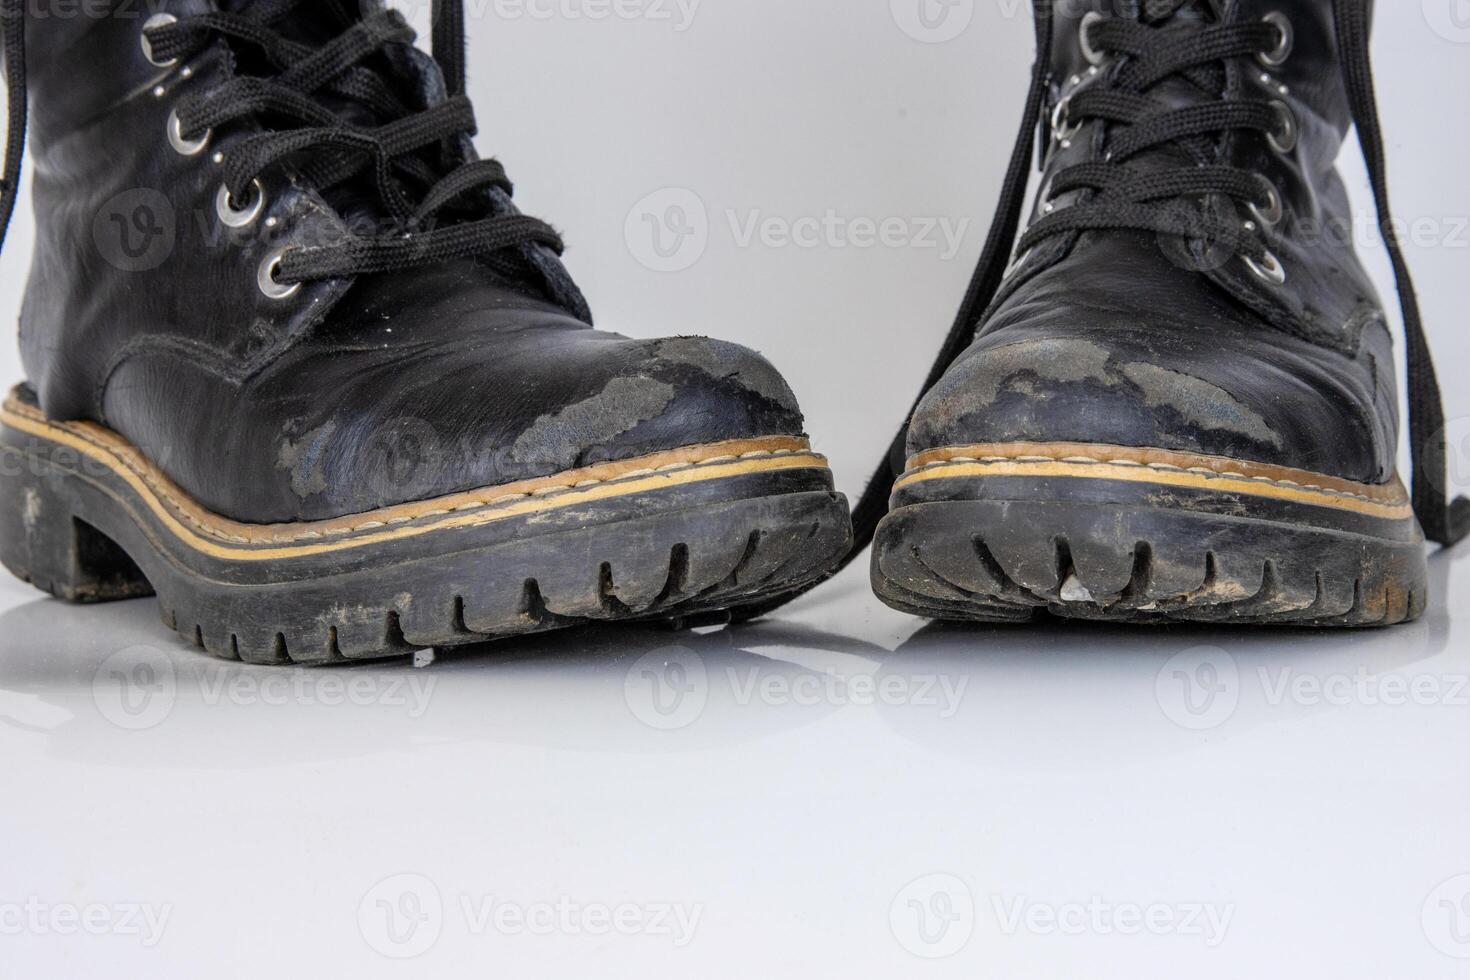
x: 1204, y: 471
x: 183, y: 512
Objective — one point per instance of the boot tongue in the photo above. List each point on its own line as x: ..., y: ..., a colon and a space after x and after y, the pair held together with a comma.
x: 316, y: 23
x: 310, y: 23
x: 1159, y: 11
x: 1179, y: 18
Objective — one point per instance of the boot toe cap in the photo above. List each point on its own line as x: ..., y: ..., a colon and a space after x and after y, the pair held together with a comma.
x: 330, y: 431
x: 1154, y: 390
x: 590, y: 402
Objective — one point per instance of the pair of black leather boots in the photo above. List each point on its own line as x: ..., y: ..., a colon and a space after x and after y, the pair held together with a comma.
x: 298, y: 365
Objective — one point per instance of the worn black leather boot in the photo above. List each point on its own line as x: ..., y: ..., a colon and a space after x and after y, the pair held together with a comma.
x: 299, y: 366
x: 1179, y: 401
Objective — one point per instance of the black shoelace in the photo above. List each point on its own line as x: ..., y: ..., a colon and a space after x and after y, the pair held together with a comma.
x: 1154, y: 202
x: 13, y: 41
x: 340, y: 119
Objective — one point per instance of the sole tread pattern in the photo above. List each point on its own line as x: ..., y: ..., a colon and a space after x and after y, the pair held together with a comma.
x: 690, y: 579
x: 1001, y: 561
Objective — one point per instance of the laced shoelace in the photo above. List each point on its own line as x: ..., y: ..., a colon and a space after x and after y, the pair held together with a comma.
x: 1175, y: 201
x: 1153, y: 202
x: 337, y: 120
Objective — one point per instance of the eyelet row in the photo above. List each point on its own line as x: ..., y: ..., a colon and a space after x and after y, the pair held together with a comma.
x: 1283, y: 140
x: 1266, y: 216
x: 231, y: 214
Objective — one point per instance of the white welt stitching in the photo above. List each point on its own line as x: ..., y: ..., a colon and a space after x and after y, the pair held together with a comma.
x: 1162, y: 467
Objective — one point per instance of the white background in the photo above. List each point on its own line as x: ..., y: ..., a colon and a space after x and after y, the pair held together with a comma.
x: 1309, y: 806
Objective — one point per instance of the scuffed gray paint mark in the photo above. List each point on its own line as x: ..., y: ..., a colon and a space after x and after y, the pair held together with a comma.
x: 1206, y: 405
x: 31, y: 512
x: 560, y: 438
x: 1009, y: 368
x: 1024, y: 367
x: 724, y: 360
x: 303, y: 459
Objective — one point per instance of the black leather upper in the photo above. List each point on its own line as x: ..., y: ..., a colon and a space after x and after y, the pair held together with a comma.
x: 1120, y: 337
x: 350, y: 394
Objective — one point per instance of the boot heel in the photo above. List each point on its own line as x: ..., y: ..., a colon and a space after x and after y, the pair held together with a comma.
x: 42, y: 541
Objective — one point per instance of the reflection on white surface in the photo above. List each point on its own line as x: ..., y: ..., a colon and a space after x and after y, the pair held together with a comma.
x: 842, y: 792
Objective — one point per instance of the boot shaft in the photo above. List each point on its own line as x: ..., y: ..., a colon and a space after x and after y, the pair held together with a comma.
x: 183, y: 229
x: 127, y: 206
x: 83, y: 59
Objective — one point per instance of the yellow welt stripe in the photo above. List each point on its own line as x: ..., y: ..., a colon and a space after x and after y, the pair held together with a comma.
x: 1169, y: 478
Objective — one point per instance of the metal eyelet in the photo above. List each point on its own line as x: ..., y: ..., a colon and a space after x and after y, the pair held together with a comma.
x: 185, y: 147
x: 1093, y: 56
x: 1277, y: 56
x: 1061, y: 125
x: 265, y: 278
x: 1270, y: 213
x: 1044, y: 202
x: 233, y: 217
x: 1283, y: 140
x: 1271, y: 271
x: 1016, y: 263
x: 156, y: 21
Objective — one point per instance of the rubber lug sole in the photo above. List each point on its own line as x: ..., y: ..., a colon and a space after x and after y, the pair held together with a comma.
x: 688, y: 544
x: 1010, y: 541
